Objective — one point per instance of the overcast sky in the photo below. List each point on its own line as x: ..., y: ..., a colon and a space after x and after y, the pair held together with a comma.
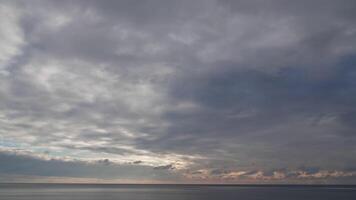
x: 178, y: 91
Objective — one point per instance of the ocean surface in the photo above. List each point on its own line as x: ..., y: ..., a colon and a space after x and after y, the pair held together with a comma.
x: 172, y: 192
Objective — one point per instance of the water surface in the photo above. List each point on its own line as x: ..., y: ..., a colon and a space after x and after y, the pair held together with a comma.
x: 172, y: 192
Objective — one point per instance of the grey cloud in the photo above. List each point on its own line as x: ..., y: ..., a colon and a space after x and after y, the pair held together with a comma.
x: 254, y: 85
x: 104, y: 169
x: 240, y: 104
x: 218, y: 171
x: 112, y: 150
x: 164, y: 167
x: 104, y: 161
x: 280, y: 175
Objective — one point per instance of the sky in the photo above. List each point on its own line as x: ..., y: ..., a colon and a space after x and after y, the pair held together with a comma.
x: 178, y: 91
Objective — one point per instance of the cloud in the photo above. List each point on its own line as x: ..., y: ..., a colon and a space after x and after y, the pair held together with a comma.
x: 215, y: 89
x: 104, y: 161
x: 170, y: 166
x: 12, y: 37
x: 274, y: 176
x: 28, y: 165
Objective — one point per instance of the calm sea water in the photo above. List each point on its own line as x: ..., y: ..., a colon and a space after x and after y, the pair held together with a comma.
x: 172, y: 192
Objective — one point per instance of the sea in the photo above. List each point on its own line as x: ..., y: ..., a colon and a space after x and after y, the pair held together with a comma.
x: 175, y: 192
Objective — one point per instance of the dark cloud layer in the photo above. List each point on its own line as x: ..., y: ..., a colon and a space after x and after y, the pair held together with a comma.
x: 213, y: 90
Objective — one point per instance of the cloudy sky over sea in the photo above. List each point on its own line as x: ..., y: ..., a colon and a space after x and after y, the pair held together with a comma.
x: 178, y: 91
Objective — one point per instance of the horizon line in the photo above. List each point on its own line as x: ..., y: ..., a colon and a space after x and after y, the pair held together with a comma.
x: 181, y: 184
